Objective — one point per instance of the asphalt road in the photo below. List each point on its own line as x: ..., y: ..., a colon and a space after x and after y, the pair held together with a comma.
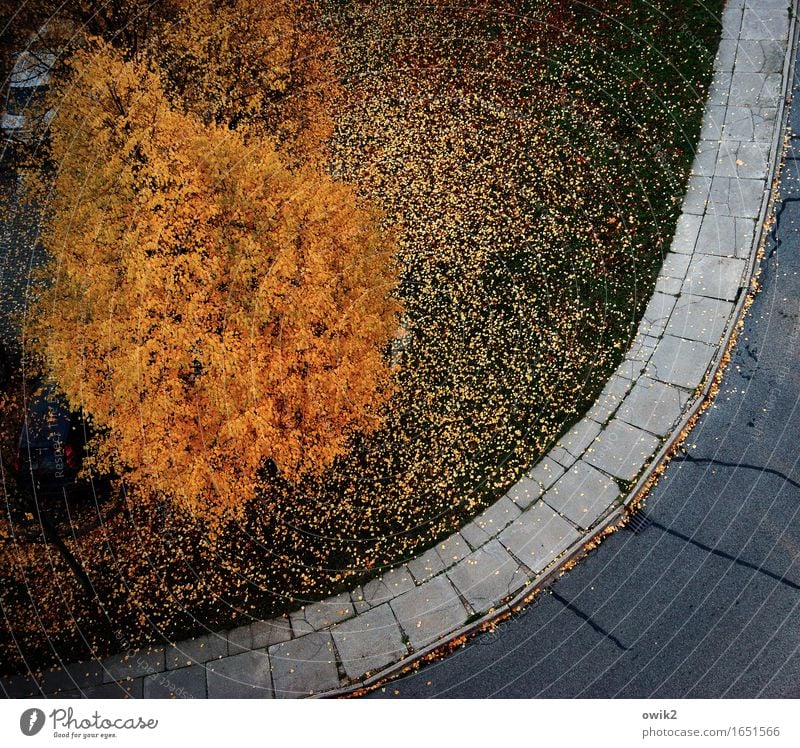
x: 705, y: 601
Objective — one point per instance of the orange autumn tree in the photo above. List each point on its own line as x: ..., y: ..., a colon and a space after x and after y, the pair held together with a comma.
x: 263, y: 68
x: 211, y: 309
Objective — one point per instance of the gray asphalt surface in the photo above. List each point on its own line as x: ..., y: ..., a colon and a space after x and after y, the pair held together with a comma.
x: 705, y: 601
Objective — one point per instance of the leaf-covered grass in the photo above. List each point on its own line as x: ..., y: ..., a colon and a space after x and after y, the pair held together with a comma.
x: 532, y: 157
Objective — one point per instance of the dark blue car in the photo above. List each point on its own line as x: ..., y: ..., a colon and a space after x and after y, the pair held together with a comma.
x: 51, y: 445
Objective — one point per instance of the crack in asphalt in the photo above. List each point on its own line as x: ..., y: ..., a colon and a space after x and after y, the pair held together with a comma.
x: 773, y: 234
x: 744, y: 465
x: 587, y: 619
x: 722, y: 554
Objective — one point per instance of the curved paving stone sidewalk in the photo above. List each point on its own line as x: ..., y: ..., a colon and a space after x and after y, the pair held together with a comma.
x: 569, y: 496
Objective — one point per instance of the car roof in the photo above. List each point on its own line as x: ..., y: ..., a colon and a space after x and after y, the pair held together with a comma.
x: 47, y: 414
x: 32, y: 69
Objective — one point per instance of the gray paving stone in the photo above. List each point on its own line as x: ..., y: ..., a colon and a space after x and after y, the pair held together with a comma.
x: 621, y: 450
x: 242, y: 676
x: 686, y: 231
x: 198, y: 650
x: 713, y: 121
x: 125, y: 689
x: 745, y: 233
x: 473, y: 535
x: 679, y: 361
x: 184, y: 683
x: 319, y: 615
x: 304, y: 666
x: 539, y: 536
x: 747, y: 88
x: 760, y: 56
x: 629, y: 370
x: 649, y: 330
x: 525, y: 491
x: 641, y: 348
x: 739, y: 123
x: 697, y: 195
x: 675, y: 265
x: 736, y: 197
x: 755, y: 89
x: 726, y: 236
x: 452, y: 549
x: 497, y: 516
x: 669, y: 286
x: 731, y: 22
x: 272, y: 631
x: 653, y: 406
x: 383, y: 588
x: 726, y: 54
x: 79, y: 694
x: 749, y: 56
x: 74, y: 676
x: 764, y: 122
x: 749, y: 124
x: 771, y: 5
x: 429, y: 612
x: 774, y: 56
x: 772, y: 92
x: 700, y: 318
x: 612, y: 395
x: 546, y: 472
x: 765, y: 23
x: 561, y: 456
x: 240, y: 639
x: 582, y: 494
x: 20, y: 687
x: 134, y: 664
x: 705, y: 158
x: 743, y: 160
x: 369, y: 642
x: 580, y: 436
x: 719, y: 89
x: 357, y: 596
x: 656, y: 315
x: 487, y: 576
x: 717, y: 277
x: 430, y: 563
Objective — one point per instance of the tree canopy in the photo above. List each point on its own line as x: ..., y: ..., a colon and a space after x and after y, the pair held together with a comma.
x: 261, y: 68
x: 210, y: 308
